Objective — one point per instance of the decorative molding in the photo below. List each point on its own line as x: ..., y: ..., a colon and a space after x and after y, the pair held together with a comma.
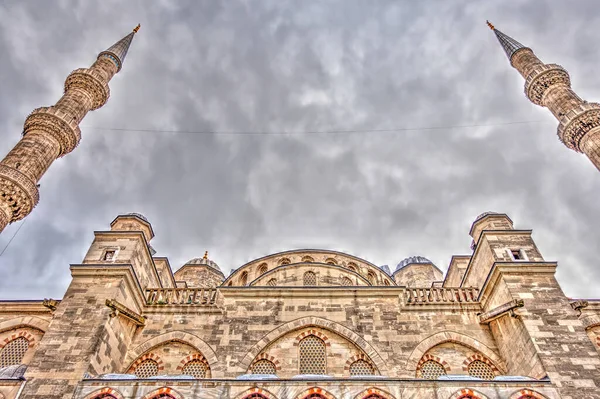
x: 119, y: 309
x: 487, y: 317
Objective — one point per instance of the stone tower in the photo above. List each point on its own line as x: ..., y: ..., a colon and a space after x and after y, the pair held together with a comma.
x: 52, y: 132
x: 549, y: 85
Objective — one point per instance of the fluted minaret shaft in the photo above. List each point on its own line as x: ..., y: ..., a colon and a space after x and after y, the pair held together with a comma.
x: 549, y: 85
x: 52, y: 132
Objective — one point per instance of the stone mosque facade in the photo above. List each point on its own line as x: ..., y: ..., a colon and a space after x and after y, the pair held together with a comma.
x: 300, y: 324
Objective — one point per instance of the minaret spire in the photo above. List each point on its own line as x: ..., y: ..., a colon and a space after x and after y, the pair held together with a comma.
x: 549, y: 85
x: 52, y: 132
x: 510, y: 45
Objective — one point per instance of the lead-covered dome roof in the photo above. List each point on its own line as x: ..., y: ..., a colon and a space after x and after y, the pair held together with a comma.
x: 412, y: 259
x: 202, y: 261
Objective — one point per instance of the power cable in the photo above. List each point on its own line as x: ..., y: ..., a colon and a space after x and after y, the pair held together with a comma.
x: 13, y: 237
x: 308, y: 132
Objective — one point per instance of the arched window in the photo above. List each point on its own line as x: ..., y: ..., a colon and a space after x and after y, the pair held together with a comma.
x: 431, y: 370
x: 480, y: 369
x: 255, y: 396
x: 312, y: 355
x: 307, y: 259
x: 314, y: 396
x: 263, y: 366
x: 386, y: 282
x: 230, y: 283
x: 272, y: 282
x: 244, y: 278
x: 196, y: 368
x: 13, y: 352
x: 310, y: 278
x: 345, y: 281
x: 262, y: 268
x: 353, y: 268
x: 331, y: 261
x: 374, y: 396
x: 146, y: 369
x: 371, y: 277
x: 361, y: 367
x: 285, y: 261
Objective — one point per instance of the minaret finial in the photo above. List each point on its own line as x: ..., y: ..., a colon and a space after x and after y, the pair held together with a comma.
x: 135, y: 30
x: 205, y: 254
x: 490, y: 25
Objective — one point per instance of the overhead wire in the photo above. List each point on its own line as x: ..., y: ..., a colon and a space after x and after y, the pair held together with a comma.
x: 308, y: 132
x: 13, y: 237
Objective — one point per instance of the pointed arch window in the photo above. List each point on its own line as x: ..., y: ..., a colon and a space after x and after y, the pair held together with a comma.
x: 361, y: 367
x: 480, y: 369
x: 13, y: 352
x: 431, y: 370
x: 285, y: 261
x: 331, y: 261
x: 310, y: 278
x: 372, y: 279
x: 146, y: 369
x: 196, y: 368
x: 264, y: 366
x: 312, y: 356
x: 307, y: 259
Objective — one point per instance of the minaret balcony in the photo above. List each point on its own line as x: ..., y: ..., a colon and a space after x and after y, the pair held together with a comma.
x: 57, y: 124
x: 577, y: 123
x: 92, y: 82
x: 542, y: 78
x: 18, y: 193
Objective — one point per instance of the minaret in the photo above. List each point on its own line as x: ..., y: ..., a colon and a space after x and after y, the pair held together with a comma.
x: 52, y: 132
x: 549, y: 85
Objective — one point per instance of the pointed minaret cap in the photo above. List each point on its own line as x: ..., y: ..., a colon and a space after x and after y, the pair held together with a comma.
x: 118, y: 51
x: 510, y: 45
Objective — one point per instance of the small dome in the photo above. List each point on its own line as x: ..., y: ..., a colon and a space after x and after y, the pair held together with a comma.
x: 484, y: 214
x: 139, y: 215
x: 202, y: 261
x: 411, y: 260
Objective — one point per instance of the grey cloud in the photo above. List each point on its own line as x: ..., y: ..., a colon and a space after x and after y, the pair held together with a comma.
x: 297, y: 66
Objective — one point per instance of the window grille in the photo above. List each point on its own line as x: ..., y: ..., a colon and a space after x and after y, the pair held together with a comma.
x: 244, y: 278
x: 314, y: 396
x: 255, y: 396
x: 482, y: 370
x: 272, y: 282
x: 386, y: 282
x: 345, y: 281
x: 374, y: 396
x: 196, y: 368
x: 13, y: 352
x: 331, y: 261
x: 307, y: 259
x: 431, y: 370
x: 285, y: 261
x: 312, y: 355
x: 353, y: 268
x: 146, y: 369
x: 263, y: 367
x: 310, y: 278
x: 263, y: 268
x: 361, y: 367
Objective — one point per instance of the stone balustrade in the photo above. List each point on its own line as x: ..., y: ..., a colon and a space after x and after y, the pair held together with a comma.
x: 441, y: 295
x: 181, y: 296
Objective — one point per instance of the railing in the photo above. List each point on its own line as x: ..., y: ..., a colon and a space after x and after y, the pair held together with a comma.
x: 441, y: 295
x: 181, y: 296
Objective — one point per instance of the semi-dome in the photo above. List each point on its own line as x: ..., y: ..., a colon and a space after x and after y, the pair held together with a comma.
x: 411, y: 260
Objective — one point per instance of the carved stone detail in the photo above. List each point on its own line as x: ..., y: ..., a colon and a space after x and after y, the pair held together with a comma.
x: 90, y: 81
x: 542, y: 78
x: 577, y: 123
x: 17, y: 193
x: 57, y: 124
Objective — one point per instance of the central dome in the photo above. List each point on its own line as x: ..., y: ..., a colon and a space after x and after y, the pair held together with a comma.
x: 202, y: 261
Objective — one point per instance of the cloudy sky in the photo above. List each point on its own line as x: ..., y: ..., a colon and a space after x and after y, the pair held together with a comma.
x: 292, y: 67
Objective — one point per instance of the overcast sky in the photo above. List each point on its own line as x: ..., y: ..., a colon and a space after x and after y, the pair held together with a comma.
x: 296, y: 66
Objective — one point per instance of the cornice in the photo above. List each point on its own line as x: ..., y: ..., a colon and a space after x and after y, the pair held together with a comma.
x: 34, y: 306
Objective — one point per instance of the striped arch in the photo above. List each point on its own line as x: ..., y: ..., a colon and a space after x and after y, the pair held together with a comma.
x: 216, y: 368
x: 315, y: 391
x: 102, y: 392
x: 451, y: 336
x: 360, y: 356
x: 468, y: 393
x: 266, y: 356
x: 316, y: 333
x: 483, y: 359
x: 26, y: 321
x: 318, y: 322
x: 527, y: 393
x: 374, y: 392
x: 436, y: 359
x: 148, y: 356
x: 255, y: 391
x: 24, y: 334
x: 164, y: 391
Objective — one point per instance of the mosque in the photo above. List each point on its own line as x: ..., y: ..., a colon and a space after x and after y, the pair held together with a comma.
x: 300, y: 324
